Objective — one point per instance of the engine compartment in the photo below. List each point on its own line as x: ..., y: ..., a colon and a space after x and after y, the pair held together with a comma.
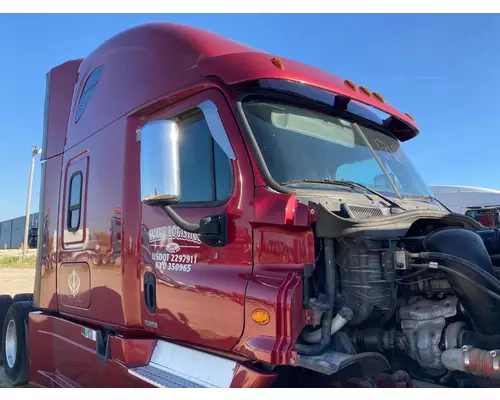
x: 416, y: 293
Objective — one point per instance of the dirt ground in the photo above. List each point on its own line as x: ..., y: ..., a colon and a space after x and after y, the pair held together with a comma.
x: 16, y: 280
x: 16, y: 277
x: 13, y: 281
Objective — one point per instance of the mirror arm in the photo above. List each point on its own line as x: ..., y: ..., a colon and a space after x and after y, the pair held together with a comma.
x: 180, y: 222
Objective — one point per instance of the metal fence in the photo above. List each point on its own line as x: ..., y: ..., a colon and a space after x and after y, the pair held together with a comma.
x: 12, y: 231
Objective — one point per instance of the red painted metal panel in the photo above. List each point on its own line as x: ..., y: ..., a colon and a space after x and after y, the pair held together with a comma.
x: 59, y: 92
x: 61, y: 356
x: 155, y: 61
x: 48, y: 225
x: 142, y: 64
x: 106, y: 185
x: 248, y: 377
x: 276, y: 286
x: 205, y: 305
x: 243, y: 67
x: 132, y: 352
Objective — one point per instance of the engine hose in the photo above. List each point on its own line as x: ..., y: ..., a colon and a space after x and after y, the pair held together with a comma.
x: 460, y: 275
x: 318, y: 348
x: 477, y: 340
x: 464, y: 251
x: 330, y: 273
x: 431, y: 256
x: 341, y: 319
x: 473, y: 361
x: 330, y: 283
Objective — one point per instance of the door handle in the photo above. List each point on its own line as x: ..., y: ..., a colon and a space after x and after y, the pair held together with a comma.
x: 150, y: 292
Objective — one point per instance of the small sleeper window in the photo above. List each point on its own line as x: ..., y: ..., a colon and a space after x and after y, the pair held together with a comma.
x: 88, y: 91
x: 75, y: 201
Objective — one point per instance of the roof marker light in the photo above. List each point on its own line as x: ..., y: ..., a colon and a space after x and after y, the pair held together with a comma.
x: 409, y: 116
x: 378, y: 97
x: 278, y: 63
x: 351, y: 85
x: 365, y: 91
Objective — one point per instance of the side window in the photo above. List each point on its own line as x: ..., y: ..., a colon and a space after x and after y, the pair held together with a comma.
x: 74, y: 202
x: 204, y: 167
x: 88, y: 91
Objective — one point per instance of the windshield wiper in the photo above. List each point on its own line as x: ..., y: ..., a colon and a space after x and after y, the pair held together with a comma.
x: 427, y: 197
x: 349, y: 184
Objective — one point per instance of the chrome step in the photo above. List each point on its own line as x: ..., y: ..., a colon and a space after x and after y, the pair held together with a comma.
x: 161, y: 378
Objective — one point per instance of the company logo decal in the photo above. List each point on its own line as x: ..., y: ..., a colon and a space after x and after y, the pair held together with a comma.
x: 172, y: 232
x: 170, y: 255
x: 74, y: 283
x: 172, y: 247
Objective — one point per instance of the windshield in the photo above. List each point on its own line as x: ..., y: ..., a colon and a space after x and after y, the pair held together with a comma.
x: 297, y: 143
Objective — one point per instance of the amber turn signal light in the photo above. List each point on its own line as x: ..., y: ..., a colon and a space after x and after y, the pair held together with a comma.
x: 261, y: 317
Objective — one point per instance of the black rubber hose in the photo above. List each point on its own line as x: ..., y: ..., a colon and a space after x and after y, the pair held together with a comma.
x: 318, y: 348
x: 432, y: 256
x: 484, y: 342
x: 326, y: 322
x: 330, y: 272
x: 308, y: 271
x: 412, y: 275
x: 460, y: 275
x: 463, y: 250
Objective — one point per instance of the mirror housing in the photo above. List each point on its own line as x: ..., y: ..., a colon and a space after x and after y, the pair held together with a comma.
x: 160, y: 167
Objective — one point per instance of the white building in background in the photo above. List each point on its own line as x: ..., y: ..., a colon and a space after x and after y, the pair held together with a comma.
x: 458, y: 198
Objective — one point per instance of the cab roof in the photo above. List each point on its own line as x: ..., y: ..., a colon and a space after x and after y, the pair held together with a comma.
x: 155, y: 60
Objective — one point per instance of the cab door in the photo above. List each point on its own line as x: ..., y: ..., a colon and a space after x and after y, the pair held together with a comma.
x: 73, y: 274
x: 194, y: 291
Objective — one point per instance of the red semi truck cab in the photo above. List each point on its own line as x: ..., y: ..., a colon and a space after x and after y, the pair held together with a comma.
x: 175, y: 244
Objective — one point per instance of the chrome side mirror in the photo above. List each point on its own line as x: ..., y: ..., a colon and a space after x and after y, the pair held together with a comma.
x: 160, y: 168
x: 160, y: 177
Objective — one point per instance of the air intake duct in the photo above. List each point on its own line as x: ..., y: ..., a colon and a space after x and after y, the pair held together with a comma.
x: 483, y: 309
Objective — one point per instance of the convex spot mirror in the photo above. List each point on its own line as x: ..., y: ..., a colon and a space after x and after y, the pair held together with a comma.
x: 160, y: 167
